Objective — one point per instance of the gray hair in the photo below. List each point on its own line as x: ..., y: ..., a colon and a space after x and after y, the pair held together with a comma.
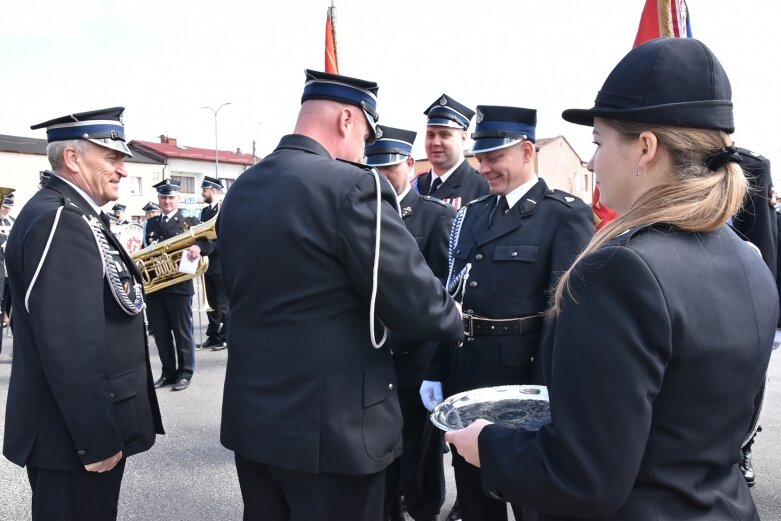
x: 55, y: 149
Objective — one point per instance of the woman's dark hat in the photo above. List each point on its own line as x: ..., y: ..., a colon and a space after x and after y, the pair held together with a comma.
x: 666, y: 81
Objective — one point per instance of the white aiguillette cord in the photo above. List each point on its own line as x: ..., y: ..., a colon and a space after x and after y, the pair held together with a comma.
x: 376, y: 267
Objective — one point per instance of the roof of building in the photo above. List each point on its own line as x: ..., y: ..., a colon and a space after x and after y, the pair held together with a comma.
x: 36, y: 146
x: 170, y: 149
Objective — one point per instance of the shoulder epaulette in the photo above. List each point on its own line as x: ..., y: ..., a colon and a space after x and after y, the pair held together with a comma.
x: 435, y: 200
x: 479, y: 199
x: 563, y: 197
x: 362, y: 166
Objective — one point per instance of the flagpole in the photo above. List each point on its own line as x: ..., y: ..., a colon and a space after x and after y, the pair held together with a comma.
x: 332, y: 11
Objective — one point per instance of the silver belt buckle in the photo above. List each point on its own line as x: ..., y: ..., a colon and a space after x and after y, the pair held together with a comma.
x: 470, y: 331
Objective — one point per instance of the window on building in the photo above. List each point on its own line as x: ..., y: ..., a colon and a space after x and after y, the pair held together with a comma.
x: 186, y: 183
x: 226, y: 182
x: 135, y: 185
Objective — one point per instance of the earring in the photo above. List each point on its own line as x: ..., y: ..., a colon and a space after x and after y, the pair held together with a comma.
x: 638, y: 172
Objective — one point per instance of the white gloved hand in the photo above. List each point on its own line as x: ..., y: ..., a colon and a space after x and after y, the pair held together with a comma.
x: 431, y: 394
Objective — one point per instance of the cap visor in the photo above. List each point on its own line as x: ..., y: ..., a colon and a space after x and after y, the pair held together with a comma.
x: 113, y: 144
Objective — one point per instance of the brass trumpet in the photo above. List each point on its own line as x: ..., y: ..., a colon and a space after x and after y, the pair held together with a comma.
x: 159, y: 262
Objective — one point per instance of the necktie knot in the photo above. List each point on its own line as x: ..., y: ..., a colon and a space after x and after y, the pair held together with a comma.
x: 499, y: 210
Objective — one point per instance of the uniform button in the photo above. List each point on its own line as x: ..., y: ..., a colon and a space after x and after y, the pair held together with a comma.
x: 531, y: 359
x: 470, y: 311
x: 479, y: 257
x: 470, y: 339
x: 112, y: 394
x: 514, y: 254
x: 473, y: 284
x: 390, y: 387
x: 81, y: 452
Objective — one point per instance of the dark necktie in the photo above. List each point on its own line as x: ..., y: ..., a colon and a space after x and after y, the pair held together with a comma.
x: 434, y: 184
x: 104, y: 217
x: 500, y: 210
x: 165, y: 219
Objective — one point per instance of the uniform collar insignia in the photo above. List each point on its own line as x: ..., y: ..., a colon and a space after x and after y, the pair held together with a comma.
x: 407, y: 210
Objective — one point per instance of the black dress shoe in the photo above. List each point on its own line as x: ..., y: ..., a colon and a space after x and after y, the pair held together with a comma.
x: 747, y: 468
x: 181, y: 384
x: 455, y: 512
x: 220, y: 347
x: 210, y: 342
x: 163, y: 381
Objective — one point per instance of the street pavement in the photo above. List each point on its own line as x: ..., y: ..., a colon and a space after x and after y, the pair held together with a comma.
x: 189, y: 476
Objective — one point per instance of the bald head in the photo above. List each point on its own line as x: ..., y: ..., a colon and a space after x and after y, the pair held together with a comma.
x: 339, y: 127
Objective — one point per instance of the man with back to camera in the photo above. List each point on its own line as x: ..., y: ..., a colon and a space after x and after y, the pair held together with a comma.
x: 451, y: 177
x: 511, y: 248
x: 418, y: 474
x: 80, y: 398
x: 310, y: 406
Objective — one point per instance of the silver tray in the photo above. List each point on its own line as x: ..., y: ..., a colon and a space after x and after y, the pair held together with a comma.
x: 516, y: 406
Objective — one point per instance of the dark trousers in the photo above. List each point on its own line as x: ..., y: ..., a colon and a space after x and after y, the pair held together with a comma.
x: 217, y: 296
x: 474, y: 503
x: 275, y: 494
x: 5, y: 304
x: 171, y: 320
x: 75, y: 495
x: 419, y: 473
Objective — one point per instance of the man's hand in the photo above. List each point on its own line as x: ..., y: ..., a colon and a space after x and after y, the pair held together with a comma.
x: 105, y: 465
x: 193, y: 252
x: 431, y: 394
x: 465, y: 441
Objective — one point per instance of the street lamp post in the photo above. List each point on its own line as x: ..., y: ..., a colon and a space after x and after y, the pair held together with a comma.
x: 216, y: 149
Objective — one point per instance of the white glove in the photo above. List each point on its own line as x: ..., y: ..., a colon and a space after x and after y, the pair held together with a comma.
x: 431, y: 394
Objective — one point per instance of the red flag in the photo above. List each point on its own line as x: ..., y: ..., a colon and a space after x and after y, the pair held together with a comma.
x: 602, y: 214
x: 331, y: 58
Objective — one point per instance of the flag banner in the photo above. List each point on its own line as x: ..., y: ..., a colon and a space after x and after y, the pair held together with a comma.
x: 663, y: 18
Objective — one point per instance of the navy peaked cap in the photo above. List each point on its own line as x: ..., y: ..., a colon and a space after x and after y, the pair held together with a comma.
x: 666, y: 81
x: 447, y: 112
x: 500, y: 127
x: 103, y: 127
x: 211, y: 182
x: 118, y: 208
x: 8, y: 201
x: 353, y: 91
x: 392, y: 148
x: 167, y: 187
x: 151, y: 207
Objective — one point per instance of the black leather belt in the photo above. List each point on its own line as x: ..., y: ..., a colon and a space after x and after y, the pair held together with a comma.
x: 476, y: 326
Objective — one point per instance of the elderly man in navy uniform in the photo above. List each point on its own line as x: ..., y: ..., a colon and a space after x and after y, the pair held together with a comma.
x: 418, y: 473
x: 169, y: 310
x: 511, y: 247
x: 217, y: 331
x: 80, y: 398
x: 451, y: 177
x: 316, y: 261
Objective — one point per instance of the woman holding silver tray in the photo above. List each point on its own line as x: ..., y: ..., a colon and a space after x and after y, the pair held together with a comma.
x: 660, y: 333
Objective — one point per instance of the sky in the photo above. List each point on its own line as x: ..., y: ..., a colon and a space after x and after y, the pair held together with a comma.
x: 164, y: 60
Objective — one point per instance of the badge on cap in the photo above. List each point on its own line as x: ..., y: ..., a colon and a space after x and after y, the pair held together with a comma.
x: 443, y: 101
x: 479, y: 118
